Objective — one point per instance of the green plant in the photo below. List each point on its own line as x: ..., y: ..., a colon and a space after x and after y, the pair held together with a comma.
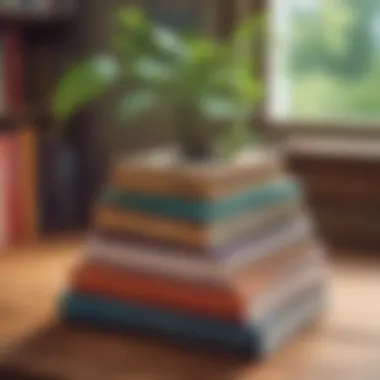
x: 207, y: 88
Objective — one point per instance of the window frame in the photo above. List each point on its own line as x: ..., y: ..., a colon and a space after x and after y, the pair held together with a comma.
x: 288, y: 127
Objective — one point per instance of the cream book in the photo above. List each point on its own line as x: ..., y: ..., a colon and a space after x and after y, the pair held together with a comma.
x: 152, y: 261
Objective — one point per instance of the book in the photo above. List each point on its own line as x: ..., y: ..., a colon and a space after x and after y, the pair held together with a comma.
x: 3, y: 90
x: 5, y: 192
x: 254, y: 340
x: 234, y: 235
x: 161, y: 172
x: 207, y: 211
x: 19, y: 148
x: 247, y: 295
x: 279, y: 328
x: 187, y: 234
x: 12, y: 71
x: 15, y: 188
x: 27, y: 185
x: 122, y: 255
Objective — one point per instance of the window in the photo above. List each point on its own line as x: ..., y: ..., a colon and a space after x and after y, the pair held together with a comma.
x: 325, y: 61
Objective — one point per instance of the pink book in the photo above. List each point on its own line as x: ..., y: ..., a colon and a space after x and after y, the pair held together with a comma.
x: 5, y: 192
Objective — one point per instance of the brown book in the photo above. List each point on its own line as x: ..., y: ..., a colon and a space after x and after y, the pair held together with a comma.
x: 161, y: 172
x: 28, y: 199
x: 189, y: 234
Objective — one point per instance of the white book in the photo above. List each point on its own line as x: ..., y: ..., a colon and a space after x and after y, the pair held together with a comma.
x: 308, y: 275
x: 150, y: 260
x: 279, y: 332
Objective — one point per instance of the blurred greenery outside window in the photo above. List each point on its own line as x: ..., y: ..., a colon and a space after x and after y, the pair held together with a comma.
x: 325, y: 62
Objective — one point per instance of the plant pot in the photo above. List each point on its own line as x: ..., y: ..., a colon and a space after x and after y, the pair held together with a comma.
x: 197, y: 150
x: 58, y: 186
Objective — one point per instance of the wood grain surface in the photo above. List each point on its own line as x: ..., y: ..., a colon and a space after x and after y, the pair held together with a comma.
x: 343, y: 345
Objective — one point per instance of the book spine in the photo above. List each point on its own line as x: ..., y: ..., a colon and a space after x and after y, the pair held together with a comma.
x: 255, y: 198
x: 5, y: 193
x: 275, y: 335
x: 13, y: 71
x: 16, y: 207
x: 168, y: 184
x: 157, y: 291
x: 28, y: 185
x: 147, y: 260
x: 289, y: 286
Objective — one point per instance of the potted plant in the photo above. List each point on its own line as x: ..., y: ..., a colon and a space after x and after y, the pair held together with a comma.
x: 207, y: 88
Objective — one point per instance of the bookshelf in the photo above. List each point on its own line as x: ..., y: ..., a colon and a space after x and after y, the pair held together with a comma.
x: 27, y: 20
x: 35, y: 46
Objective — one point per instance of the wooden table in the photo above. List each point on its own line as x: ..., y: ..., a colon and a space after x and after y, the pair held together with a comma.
x: 343, y: 345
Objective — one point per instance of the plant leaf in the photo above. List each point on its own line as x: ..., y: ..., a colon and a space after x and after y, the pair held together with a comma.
x: 218, y: 108
x: 132, y: 18
x: 83, y: 84
x: 168, y: 42
x: 153, y: 70
x: 248, y: 87
x: 137, y: 103
x: 249, y: 30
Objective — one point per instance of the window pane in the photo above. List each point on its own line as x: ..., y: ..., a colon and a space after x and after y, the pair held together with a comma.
x: 325, y: 60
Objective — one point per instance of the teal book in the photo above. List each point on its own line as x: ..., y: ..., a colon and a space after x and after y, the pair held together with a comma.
x: 253, y: 199
x: 249, y: 340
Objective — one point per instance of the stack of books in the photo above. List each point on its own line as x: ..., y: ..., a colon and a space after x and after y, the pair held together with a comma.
x: 221, y: 255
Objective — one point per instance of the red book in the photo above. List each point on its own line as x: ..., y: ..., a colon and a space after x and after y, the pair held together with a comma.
x: 6, y: 185
x: 255, y: 287
x: 18, y: 193
x: 15, y: 205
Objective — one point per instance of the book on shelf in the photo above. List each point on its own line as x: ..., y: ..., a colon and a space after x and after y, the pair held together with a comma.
x: 11, y: 72
x: 18, y: 188
x: 5, y: 192
x: 27, y: 181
